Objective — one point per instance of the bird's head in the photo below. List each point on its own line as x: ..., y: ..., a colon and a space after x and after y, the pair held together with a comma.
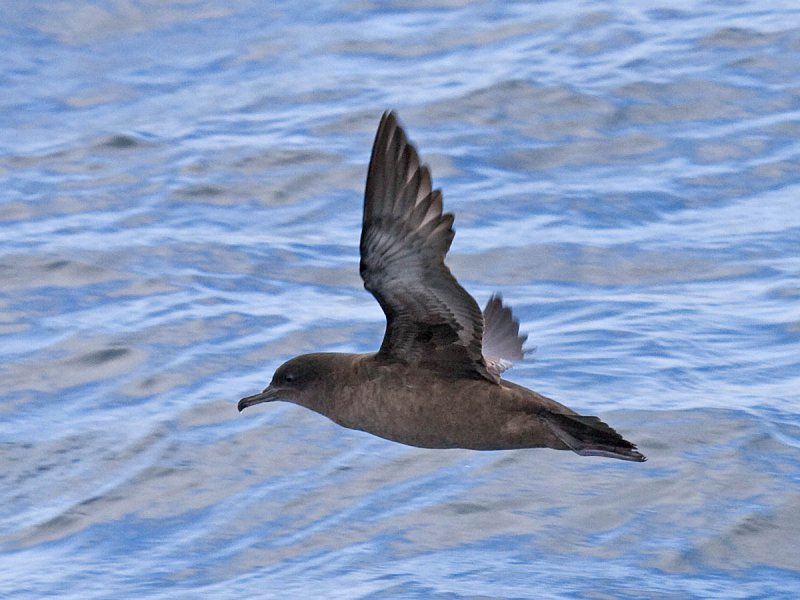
x: 300, y: 380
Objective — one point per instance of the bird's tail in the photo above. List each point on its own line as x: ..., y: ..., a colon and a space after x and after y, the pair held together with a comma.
x: 589, y: 436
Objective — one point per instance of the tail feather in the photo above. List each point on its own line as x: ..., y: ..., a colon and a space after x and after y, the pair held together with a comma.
x: 589, y: 436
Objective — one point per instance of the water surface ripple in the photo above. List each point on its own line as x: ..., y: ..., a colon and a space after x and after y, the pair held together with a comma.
x: 180, y: 213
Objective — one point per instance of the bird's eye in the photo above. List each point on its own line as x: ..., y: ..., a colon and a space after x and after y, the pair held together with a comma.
x: 288, y: 378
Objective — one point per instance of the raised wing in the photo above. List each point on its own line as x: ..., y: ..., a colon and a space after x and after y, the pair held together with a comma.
x: 502, y: 343
x: 431, y: 320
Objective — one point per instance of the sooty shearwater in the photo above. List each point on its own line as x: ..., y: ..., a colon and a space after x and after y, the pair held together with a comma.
x: 435, y: 381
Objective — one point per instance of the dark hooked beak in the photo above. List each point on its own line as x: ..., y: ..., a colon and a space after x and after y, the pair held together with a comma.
x: 268, y: 395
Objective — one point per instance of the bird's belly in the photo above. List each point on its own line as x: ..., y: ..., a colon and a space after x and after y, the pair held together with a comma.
x: 444, y: 421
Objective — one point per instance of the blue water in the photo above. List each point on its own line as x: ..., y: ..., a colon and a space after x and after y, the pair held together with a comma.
x: 180, y: 211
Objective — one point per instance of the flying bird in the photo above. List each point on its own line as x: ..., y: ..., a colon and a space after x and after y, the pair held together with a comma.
x: 436, y: 380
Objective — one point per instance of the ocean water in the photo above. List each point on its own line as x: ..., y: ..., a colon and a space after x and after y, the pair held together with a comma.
x: 180, y: 211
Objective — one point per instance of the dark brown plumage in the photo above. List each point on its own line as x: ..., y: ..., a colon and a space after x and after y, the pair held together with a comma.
x: 435, y: 381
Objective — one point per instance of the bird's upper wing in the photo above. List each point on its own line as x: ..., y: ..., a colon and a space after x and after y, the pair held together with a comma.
x: 502, y: 342
x: 431, y: 320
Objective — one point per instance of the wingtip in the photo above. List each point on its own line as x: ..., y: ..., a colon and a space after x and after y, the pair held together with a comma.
x: 501, y: 336
x: 389, y: 116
